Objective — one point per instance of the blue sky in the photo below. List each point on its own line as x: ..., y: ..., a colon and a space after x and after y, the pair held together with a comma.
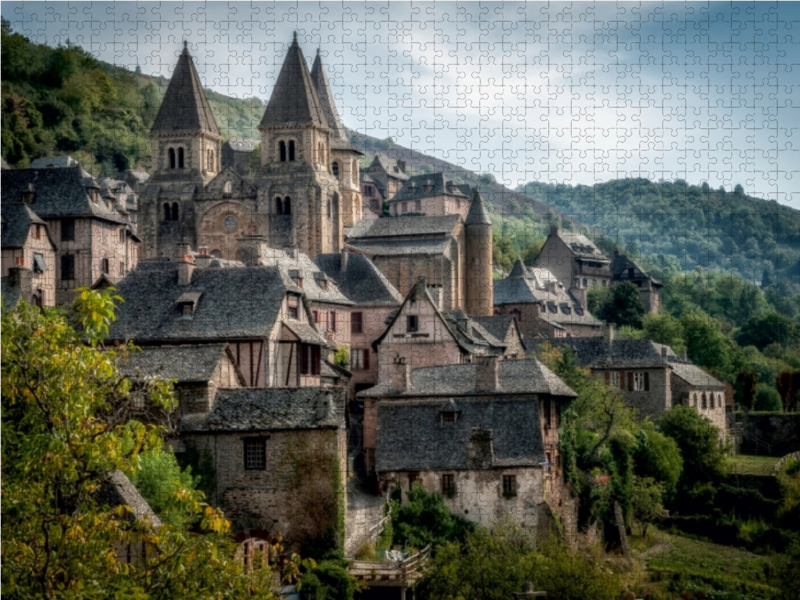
x: 557, y: 92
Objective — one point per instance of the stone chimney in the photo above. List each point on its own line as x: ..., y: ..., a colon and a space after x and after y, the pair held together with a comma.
x: 203, y: 258
x: 182, y: 249
x: 684, y: 358
x: 401, y: 376
x: 185, y: 270
x: 325, y: 406
x: 487, y: 373
x: 608, y: 334
x: 664, y: 354
x: 345, y: 255
x: 21, y: 278
x: 252, y: 250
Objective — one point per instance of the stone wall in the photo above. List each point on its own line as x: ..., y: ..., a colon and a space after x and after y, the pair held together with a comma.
x: 781, y: 431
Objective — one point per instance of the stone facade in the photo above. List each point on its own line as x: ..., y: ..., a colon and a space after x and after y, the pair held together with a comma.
x: 28, y: 255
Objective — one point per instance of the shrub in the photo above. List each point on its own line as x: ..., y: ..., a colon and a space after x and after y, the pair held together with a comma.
x: 767, y: 398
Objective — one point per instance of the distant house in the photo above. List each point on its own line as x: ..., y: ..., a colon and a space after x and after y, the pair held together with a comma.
x: 280, y: 459
x: 386, y: 174
x: 485, y: 435
x: 652, y: 378
x: 28, y: 256
x: 542, y: 306
x: 431, y: 194
x: 372, y: 194
x: 625, y: 269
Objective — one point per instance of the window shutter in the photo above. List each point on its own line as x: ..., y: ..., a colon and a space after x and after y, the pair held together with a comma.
x: 608, y: 377
x: 366, y: 358
x: 646, y: 381
x: 315, y: 366
x: 304, y: 351
x: 622, y: 380
x: 630, y: 380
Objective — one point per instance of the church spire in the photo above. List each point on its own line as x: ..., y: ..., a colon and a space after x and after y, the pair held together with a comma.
x: 294, y: 100
x: 477, y: 214
x: 323, y: 88
x: 185, y: 106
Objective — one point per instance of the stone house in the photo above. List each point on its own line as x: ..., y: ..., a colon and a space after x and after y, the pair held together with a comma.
x: 432, y: 194
x: 625, y: 269
x: 651, y: 376
x: 387, y: 175
x: 28, y: 256
x: 375, y: 300
x: 485, y: 435
x: 93, y: 238
x: 300, y: 197
x: 259, y: 312
x: 454, y: 254
x: 279, y: 455
x: 541, y: 305
x: 371, y: 195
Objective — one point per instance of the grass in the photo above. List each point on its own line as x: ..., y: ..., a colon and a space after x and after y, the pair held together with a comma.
x: 745, y: 464
x: 679, y: 567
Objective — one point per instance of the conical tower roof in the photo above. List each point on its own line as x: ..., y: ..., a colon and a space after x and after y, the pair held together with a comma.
x: 477, y: 214
x: 185, y: 106
x: 323, y: 88
x: 294, y: 100
x: 519, y: 270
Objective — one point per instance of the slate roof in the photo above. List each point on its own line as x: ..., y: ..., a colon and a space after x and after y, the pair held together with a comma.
x: 596, y: 352
x: 388, y: 165
x: 695, y: 376
x: 117, y: 490
x: 360, y: 281
x: 339, y: 139
x: 184, y: 106
x: 313, y: 277
x: 59, y: 193
x: 579, y: 244
x: 437, y: 184
x: 235, y: 303
x: 186, y: 364
x: 402, y: 226
x: 294, y: 100
x: 271, y: 409
x: 53, y: 161
x: 528, y: 376
x: 10, y: 295
x: 17, y: 221
x: 477, y: 214
x: 497, y: 325
x: 620, y: 265
x: 411, y: 437
x: 401, y: 247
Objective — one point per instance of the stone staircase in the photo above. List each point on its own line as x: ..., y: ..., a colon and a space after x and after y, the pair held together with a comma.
x: 364, y: 515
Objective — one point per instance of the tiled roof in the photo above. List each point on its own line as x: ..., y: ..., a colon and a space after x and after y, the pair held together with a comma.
x: 596, y: 352
x: 185, y: 106
x: 269, y: 409
x: 411, y: 436
x: 294, y: 100
x: 235, y: 303
x: 579, y: 244
x: 388, y: 165
x: 401, y: 247
x: 477, y: 214
x: 497, y: 325
x: 361, y: 281
x: 620, y: 266
x: 58, y: 193
x: 117, y: 490
x: 186, y: 364
x: 339, y: 139
x: 427, y: 185
x: 314, y: 278
x: 695, y: 376
x: 401, y: 226
x: 527, y: 376
x: 17, y: 221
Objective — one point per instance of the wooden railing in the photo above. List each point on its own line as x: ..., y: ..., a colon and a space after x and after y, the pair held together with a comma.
x: 782, y: 462
x: 410, y: 565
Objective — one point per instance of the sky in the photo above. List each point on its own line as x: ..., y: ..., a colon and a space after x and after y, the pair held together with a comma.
x: 557, y: 92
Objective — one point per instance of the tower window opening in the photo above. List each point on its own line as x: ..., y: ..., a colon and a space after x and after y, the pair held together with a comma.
x: 174, y: 216
x: 278, y: 206
x: 291, y: 150
x: 282, y: 150
x: 180, y: 158
x: 335, y: 170
x: 171, y: 155
x: 167, y: 212
x: 287, y: 205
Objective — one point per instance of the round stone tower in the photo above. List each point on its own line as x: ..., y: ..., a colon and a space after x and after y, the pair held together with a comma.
x: 478, y: 243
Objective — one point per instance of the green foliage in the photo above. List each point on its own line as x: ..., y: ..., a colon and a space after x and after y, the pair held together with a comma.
x: 664, y: 329
x: 623, y: 306
x: 647, y: 497
x: 787, y: 575
x: 425, y: 519
x: 328, y: 580
x: 341, y: 358
x: 201, y: 464
x: 657, y: 457
x: 706, y: 345
x: 159, y: 479
x: 767, y: 398
x: 66, y: 424
x: 772, y: 328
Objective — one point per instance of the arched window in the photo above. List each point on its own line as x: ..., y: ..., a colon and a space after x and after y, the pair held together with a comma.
x: 704, y: 401
x: 291, y: 150
x: 335, y: 169
x: 329, y: 208
x: 210, y: 160
x: 354, y: 168
x: 278, y: 206
x: 282, y: 150
x: 174, y: 211
x: 287, y: 206
x: 167, y: 213
x: 227, y: 188
x: 180, y: 158
x: 104, y: 265
x: 171, y: 155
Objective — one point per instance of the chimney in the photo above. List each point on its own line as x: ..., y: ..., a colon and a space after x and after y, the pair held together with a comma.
x: 401, y: 376
x: 345, y: 255
x: 664, y: 354
x: 19, y: 261
x: 608, y: 334
x: 203, y: 258
x: 486, y: 374
x: 27, y: 195
x: 325, y: 406
x: 684, y: 358
x: 182, y: 249
x: 185, y: 270
x: 22, y: 279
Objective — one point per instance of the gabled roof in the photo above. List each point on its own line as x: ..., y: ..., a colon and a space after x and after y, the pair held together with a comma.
x: 519, y: 270
x: 18, y: 218
x: 271, y: 409
x: 412, y: 437
x: 186, y: 364
x: 317, y: 286
x: 427, y: 185
x: 578, y: 244
x: 294, y: 100
x: 388, y: 165
x: 235, y: 303
x: 404, y: 226
x: 596, y: 352
x: 185, y: 106
x: 620, y: 269
x: 498, y: 325
x: 58, y: 193
x: 360, y: 281
x: 477, y: 214
x: 339, y: 139
x: 695, y: 376
x: 117, y: 490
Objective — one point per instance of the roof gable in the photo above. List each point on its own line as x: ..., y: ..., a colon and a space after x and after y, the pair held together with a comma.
x: 17, y: 219
x: 360, y: 281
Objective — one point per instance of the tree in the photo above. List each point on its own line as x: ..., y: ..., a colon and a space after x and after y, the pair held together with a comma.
x: 706, y: 345
x: 767, y: 398
x: 159, y: 478
x: 657, y: 457
x: 772, y: 328
x: 425, y: 519
x: 624, y: 307
x: 646, y: 501
x: 66, y: 424
x: 664, y: 329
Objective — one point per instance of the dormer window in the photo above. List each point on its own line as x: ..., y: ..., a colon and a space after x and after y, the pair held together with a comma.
x: 95, y: 195
x: 27, y: 195
x: 187, y: 304
x: 412, y: 323
x: 448, y: 417
x: 294, y: 307
x: 294, y: 274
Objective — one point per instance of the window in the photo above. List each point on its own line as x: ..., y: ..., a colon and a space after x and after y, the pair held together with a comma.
x: 357, y: 322
x: 299, y: 281
x: 187, y: 309
x: 547, y: 414
x: 227, y: 188
x: 412, y: 323
x: 291, y: 150
x: 282, y: 150
x: 294, y: 311
x: 585, y: 283
x: 255, y: 454
x: 104, y: 266
x: 138, y: 399
x: 354, y: 170
x: 315, y: 315
x: 180, y: 158
x: 68, y: 230
x: 174, y: 211
x: 278, y: 206
x: 39, y: 265
x: 67, y: 267
x: 547, y: 461
x: 448, y: 417
x: 37, y: 232
x: 122, y: 236
x: 171, y: 155
x: 210, y: 162
x: 335, y: 169
x: 332, y: 320
x: 167, y: 212
x: 641, y: 382
x: 287, y: 205
x: 413, y: 477
x: 449, y: 485
x: 509, y: 485
x: 309, y: 359
x: 360, y: 359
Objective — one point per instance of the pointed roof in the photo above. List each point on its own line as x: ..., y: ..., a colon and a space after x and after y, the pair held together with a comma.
x: 323, y: 88
x: 185, y: 106
x: 477, y: 211
x: 294, y: 100
x: 519, y: 270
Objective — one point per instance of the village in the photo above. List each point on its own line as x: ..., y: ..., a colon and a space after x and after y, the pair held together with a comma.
x: 325, y: 357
